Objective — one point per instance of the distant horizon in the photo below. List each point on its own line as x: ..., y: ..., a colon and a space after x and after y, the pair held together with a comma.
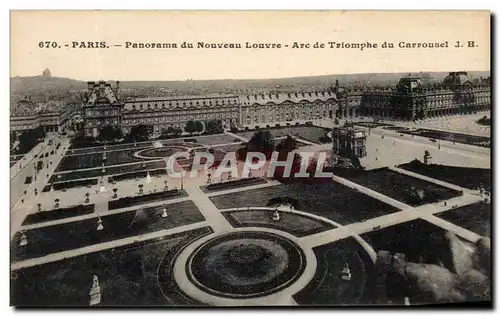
x: 243, y: 79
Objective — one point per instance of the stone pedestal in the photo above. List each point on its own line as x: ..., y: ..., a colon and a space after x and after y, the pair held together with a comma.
x: 276, y: 216
x: 95, y: 292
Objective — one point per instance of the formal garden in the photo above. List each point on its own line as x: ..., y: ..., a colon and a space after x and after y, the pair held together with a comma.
x: 136, y: 274
x: 142, y: 198
x: 310, y: 133
x: 476, y: 217
x: 42, y: 215
x: 108, y: 171
x: 56, y: 238
x: 296, y: 224
x: 331, y: 200
x: 401, y: 187
x: 470, y: 178
x: 344, y: 276
x: 245, y: 264
x: 232, y: 184
x: 419, y: 240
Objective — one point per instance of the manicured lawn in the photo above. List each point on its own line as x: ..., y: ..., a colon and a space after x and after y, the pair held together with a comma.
x: 310, y: 133
x: 419, y: 240
x: 470, y: 178
x: 137, y: 274
x: 230, y: 148
x: 72, y: 162
x: 214, y: 139
x: 100, y: 149
x: 330, y: 200
x: 146, y: 198
x: 403, y: 188
x: 71, y: 184
x: 233, y: 184
x: 57, y: 238
x: 327, y: 286
x: 474, y: 217
x: 74, y: 175
x: 294, y: 224
x: 136, y: 175
x: 60, y: 213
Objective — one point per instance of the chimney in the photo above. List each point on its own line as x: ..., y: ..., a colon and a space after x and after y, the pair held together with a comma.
x: 101, y: 83
x: 90, y: 85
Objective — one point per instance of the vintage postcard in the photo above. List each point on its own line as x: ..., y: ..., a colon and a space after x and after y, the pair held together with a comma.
x: 250, y: 158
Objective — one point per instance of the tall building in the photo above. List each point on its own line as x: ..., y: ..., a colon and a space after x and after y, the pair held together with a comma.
x: 162, y: 113
x: 102, y: 108
x: 415, y: 98
x: 51, y: 115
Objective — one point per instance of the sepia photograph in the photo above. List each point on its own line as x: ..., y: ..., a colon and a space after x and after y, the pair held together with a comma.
x: 250, y: 158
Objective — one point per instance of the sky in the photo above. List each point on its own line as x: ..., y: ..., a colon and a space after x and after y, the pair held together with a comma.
x: 32, y: 29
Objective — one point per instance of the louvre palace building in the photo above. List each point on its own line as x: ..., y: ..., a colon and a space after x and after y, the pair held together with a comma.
x: 413, y: 98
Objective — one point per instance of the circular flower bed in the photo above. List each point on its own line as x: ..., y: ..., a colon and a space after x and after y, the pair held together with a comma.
x: 245, y: 264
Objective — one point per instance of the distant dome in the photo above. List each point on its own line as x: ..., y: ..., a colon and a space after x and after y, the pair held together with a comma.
x: 46, y: 73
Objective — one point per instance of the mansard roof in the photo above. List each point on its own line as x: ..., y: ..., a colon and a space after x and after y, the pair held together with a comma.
x: 294, y: 97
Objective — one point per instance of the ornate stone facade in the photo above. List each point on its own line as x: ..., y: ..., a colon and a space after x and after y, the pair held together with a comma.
x: 161, y: 113
x: 50, y: 115
x: 413, y: 100
x: 102, y: 108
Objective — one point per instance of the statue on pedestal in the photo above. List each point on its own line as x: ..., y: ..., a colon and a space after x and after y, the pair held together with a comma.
x: 95, y: 292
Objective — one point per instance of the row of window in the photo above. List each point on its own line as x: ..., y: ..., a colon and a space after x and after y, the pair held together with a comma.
x: 283, y: 117
x: 99, y: 122
x: 164, y: 104
x: 177, y: 118
x: 102, y: 113
x: 183, y: 113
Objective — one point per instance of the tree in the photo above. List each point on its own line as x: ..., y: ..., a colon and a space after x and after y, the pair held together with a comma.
x: 109, y: 133
x: 262, y: 141
x: 190, y: 127
x: 214, y: 127
x: 13, y: 138
x: 29, y: 139
x: 288, y: 144
x: 177, y: 131
x: 138, y: 133
x: 234, y: 129
x: 198, y: 127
